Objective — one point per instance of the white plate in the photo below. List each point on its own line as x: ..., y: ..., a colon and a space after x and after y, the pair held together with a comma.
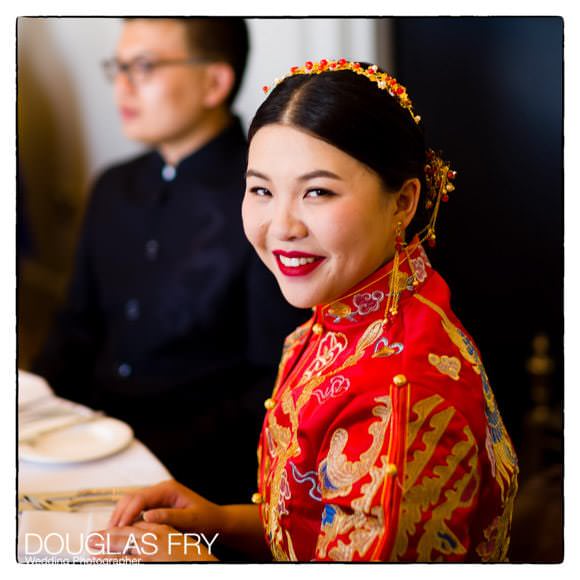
x: 78, y: 443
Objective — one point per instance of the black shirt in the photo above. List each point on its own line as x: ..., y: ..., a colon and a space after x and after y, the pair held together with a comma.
x: 171, y: 322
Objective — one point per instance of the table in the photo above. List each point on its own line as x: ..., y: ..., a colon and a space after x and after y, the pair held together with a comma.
x: 46, y: 536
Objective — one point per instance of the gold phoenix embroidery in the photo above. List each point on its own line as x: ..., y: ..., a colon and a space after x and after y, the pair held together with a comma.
x: 365, y: 524
x: 342, y: 473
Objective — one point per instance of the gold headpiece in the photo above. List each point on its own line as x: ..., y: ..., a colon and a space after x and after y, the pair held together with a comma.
x: 384, y: 81
x: 438, y: 174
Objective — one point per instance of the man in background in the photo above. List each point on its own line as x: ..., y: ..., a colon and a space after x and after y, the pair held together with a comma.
x: 171, y: 322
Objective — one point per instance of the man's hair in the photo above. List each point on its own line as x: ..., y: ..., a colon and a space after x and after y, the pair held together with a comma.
x: 225, y: 39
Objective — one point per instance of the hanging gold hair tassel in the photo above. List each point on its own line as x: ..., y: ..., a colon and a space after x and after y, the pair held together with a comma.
x: 392, y: 306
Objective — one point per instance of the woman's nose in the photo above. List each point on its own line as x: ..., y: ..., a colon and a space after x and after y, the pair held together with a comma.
x: 287, y: 224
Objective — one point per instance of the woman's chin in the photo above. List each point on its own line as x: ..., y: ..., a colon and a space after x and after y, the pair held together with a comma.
x: 297, y: 299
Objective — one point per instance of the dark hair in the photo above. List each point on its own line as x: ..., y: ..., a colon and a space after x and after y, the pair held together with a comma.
x: 351, y: 113
x: 225, y: 39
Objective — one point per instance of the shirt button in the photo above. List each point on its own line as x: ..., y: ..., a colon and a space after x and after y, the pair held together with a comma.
x: 317, y: 328
x: 132, y: 309
x: 152, y: 249
x: 168, y: 173
x: 269, y: 404
x: 257, y: 498
x: 124, y: 370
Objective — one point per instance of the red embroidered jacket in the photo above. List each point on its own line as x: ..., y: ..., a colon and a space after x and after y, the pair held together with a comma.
x: 382, y: 440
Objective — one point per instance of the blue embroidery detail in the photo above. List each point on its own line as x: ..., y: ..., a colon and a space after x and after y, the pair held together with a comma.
x: 327, y: 484
x: 447, y: 539
x: 311, y: 477
x: 328, y: 514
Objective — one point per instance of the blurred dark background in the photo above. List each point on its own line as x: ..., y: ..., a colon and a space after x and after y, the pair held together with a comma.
x: 490, y: 90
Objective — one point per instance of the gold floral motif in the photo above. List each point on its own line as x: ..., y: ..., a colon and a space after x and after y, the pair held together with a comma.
x: 339, y: 310
x: 446, y: 365
x: 329, y: 348
x: 457, y: 337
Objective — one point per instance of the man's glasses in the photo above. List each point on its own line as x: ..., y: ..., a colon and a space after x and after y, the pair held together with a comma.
x: 140, y: 69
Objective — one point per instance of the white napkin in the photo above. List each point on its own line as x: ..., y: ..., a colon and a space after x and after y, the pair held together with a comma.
x: 45, y: 536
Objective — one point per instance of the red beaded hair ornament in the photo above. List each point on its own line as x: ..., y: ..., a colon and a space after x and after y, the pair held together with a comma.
x: 438, y: 173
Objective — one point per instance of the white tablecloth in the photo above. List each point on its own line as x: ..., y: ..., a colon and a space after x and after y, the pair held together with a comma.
x: 56, y: 536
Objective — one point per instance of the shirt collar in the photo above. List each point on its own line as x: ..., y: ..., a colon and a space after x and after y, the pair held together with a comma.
x: 228, y: 147
x: 202, y: 160
x: 368, y: 299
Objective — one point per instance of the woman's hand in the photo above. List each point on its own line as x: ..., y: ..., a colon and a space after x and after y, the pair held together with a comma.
x: 172, y: 504
x: 146, y: 542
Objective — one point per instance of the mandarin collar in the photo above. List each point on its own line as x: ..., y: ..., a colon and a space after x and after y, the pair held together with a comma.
x: 199, y: 166
x: 367, y: 300
x: 202, y: 160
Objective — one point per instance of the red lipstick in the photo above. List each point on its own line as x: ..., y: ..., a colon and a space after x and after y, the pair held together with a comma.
x: 297, y: 263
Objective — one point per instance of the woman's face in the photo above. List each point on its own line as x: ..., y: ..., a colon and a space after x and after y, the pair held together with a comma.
x: 319, y: 219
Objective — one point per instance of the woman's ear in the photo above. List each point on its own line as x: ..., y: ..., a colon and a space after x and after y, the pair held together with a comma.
x: 407, y: 201
x: 219, y: 80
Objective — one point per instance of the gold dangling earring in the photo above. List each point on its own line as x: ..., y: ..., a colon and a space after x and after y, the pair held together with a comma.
x: 394, y: 289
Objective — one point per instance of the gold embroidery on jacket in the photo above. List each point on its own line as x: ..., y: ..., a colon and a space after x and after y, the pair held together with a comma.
x: 329, y: 348
x: 292, y: 410
x: 365, y: 523
x: 446, y: 365
x: 501, y: 452
x: 291, y: 553
x: 366, y: 530
x: 457, y: 337
x: 417, y: 498
x: 339, y: 310
x: 494, y: 547
x: 437, y: 535
x: 336, y: 472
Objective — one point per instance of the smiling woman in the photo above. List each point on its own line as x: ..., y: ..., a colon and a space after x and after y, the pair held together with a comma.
x: 307, y: 203
x: 382, y: 440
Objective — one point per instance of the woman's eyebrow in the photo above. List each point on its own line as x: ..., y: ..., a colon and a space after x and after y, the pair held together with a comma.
x: 319, y: 173
x: 254, y: 173
x: 304, y: 177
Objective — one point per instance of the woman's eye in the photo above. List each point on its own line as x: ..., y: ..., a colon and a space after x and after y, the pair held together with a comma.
x: 318, y: 192
x: 260, y: 191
